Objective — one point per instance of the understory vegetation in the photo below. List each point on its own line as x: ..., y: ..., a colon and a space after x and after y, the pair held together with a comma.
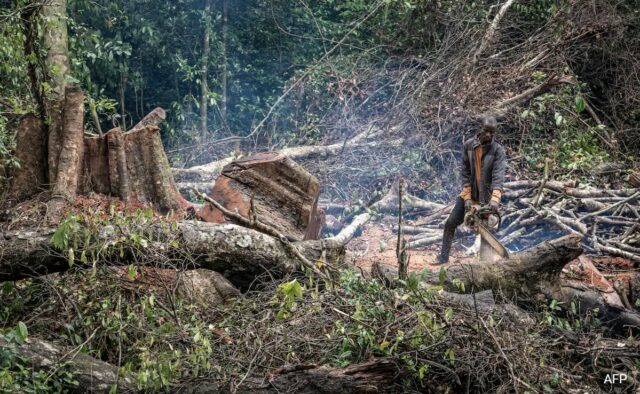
x: 131, y: 317
x: 238, y: 77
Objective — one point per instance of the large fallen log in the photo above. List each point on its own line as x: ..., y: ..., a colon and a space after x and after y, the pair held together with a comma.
x: 239, y: 253
x: 92, y: 375
x: 530, y: 273
x: 96, y: 376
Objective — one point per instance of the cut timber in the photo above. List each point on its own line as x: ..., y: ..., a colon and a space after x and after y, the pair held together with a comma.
x: 239, y: 253
x: 530, y: 272
x: 31, y: 153
x: 389, y: 203
x: 93, y: 375
x: 272, y: 188
x: 376, y: 376
x: 208, y: 172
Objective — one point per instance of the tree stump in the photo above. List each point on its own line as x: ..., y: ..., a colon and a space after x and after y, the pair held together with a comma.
x: 273, y: 189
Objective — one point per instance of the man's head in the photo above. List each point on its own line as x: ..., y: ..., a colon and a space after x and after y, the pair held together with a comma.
x: 489, y: 129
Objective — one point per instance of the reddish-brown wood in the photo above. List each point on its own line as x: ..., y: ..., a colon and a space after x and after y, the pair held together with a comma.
x: 275, y: 189
x: 31, y: 153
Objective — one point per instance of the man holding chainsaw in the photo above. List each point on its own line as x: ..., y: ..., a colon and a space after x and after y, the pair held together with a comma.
x: 484, y: 163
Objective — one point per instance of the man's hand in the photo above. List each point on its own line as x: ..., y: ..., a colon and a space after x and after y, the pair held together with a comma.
x: 467, y: 205
x: 494, y: 205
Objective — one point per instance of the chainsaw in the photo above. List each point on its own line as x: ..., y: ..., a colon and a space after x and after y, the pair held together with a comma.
x: 481, y: 219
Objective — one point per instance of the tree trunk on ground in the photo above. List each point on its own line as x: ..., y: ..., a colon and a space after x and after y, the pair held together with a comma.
x: 239, y: 253
x: 96, y: 376
x: 530, y: 272
x: 273, y: 189
x: 93, y: 375
x: 376, y: 376
x: 208, y: 172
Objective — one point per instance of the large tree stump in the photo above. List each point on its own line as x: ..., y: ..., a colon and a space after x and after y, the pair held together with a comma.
x: 31, y: 153
x: 272, y: 188
x: 133, y: 166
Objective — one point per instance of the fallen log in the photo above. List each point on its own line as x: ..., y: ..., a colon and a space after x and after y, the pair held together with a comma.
x: 209, y: 171
x: 93, y: 375
x: 528, y: 273
x: 239, y: 253
x: 375, y: 376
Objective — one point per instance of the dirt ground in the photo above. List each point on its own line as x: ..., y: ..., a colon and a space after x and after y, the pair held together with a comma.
x: 378, y: 243
x: 378, y: 240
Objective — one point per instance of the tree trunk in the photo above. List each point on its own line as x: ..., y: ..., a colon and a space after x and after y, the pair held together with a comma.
x: 96, y: 376
x: 239, y: 253
x: 204, y: 72
x: 208, y: 172
x: 225, y: 61
x: 133, y: 166
x: 93, y: 375
x: 70, y: 158
x: 530, y: 272
x: 54, y: 13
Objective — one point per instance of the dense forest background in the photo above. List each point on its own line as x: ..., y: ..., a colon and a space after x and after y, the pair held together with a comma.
x: 220, y: 68
x: 382, y: 89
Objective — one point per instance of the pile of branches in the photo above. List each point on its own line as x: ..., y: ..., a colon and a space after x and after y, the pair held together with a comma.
x: 295, y: 334
x: 534, y: 211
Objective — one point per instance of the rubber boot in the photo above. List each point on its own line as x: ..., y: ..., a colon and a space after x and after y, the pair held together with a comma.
x: 447, y: 240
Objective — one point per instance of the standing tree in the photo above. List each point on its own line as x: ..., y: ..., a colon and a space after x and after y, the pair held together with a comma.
x: 204, y: 73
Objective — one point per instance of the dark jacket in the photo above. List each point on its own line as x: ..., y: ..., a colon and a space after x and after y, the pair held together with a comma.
x: 494, y: 166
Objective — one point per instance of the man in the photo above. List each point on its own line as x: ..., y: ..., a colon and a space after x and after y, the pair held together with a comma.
x: 483, y: 166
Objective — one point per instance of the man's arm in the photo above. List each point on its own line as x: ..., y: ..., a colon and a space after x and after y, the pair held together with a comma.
x: 465, y: 174
x: 497, y: 179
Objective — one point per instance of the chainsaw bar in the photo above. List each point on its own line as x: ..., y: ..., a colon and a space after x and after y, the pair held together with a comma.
x: 491, y: 240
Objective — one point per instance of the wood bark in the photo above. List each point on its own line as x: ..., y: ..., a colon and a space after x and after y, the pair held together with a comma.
x: 31, y: 153
x: 54, y: 13
x: 96, y: 376
x: 133, y: 166
x: 69, y: 157
x: 239, y: 253
x: 93, y: 375
x: 530, y: 272
x: 375, y: 376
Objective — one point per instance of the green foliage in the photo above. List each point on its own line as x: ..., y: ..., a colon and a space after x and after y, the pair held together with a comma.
x: 568, y: 317
x: 16, y: 374
x: 287, y: 293
x: 576, y: 146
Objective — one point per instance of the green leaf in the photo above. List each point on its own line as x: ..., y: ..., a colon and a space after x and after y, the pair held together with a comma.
x: 132, y: 272
x: 580, y: 104
x: 442, y: 276
x: 22, y: 331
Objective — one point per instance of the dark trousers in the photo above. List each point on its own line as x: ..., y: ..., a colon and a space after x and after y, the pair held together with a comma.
x: 455, y: 219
